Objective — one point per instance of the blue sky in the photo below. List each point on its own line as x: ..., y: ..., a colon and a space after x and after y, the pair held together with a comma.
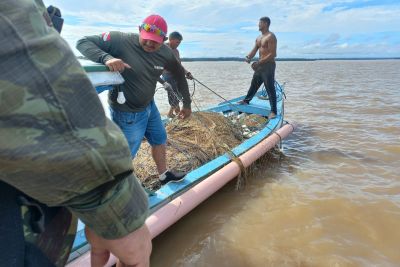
x: 228, y: 28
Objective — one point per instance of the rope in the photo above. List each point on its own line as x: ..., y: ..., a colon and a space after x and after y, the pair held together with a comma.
x: 194, y: 88
x: 280, y: 137
x: 211, y: 90
x: 241, y: 178
x: 220, y: 96
x: 242, y: 175
x: 197, y: 106
x: 232, y: 106
x: 288, y: 123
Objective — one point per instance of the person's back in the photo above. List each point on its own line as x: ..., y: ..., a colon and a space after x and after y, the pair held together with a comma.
x: 59, y: 150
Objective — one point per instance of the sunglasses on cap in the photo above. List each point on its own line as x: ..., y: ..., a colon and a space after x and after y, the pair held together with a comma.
x: 152, y: 28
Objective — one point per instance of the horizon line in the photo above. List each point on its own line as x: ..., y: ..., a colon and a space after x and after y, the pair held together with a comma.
x: 287, y: 58
x: 277, y: 59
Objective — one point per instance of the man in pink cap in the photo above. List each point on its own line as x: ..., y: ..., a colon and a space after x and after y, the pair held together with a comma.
x: 141, y: 59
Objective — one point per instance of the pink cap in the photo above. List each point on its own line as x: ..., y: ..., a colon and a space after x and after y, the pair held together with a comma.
x: 154, y: 28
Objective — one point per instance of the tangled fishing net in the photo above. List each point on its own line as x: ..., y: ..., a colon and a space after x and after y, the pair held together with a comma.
x: 195, y: 141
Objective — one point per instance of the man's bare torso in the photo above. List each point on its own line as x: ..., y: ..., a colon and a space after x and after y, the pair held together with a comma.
x: 266, y: 44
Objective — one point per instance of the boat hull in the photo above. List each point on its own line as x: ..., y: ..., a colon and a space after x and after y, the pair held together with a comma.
x: 174, y: 200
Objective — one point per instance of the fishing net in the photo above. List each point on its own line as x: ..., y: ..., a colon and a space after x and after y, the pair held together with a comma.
x: 195, y: 141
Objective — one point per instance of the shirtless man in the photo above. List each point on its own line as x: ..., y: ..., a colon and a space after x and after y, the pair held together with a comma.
x: 264, y: 68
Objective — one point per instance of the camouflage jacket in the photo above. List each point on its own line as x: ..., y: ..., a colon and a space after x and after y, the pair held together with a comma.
x: 56, y: 144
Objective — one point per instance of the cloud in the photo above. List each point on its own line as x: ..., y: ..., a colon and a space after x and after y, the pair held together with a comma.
x: 304, y: 28
x: 333, y: 38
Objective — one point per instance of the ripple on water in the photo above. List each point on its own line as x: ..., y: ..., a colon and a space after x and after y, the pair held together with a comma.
x: 332, y: 200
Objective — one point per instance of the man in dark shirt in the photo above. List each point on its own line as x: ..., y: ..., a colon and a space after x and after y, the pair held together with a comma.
x: 141, y: 60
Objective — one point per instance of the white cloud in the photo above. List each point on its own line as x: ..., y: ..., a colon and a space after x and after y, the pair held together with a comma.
x: 344, y: 45
x: 229, y: 27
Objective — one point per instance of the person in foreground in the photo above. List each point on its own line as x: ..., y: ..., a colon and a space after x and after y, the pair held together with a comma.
x: 174, y: 40
x: 141, y: 60
x: 60, y: 157
x: 264, y: 68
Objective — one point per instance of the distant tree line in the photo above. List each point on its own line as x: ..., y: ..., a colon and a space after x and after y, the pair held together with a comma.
x: 282, y: 59
x: 188, y: 59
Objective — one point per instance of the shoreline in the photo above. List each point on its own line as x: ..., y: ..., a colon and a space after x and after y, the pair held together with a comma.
x: 283, y: 59
x: 277, y: 59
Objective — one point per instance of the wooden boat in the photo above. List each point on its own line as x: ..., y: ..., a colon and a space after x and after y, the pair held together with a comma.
x: 173, y: 200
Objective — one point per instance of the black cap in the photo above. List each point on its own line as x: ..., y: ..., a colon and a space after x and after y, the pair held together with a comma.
x: 56, y: 19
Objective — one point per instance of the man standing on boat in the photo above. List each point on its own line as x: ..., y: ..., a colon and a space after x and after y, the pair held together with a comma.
x: 264, y: 68
x: 59, y: 154
x: 140, y: 58
x: 174, y: 40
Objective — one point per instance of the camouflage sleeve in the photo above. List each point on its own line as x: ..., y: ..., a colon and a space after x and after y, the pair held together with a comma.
x: 56, y: 144
x: 160, y: 80
x: 114, y: 212
x: 100, y: 48
x: 175, y: 67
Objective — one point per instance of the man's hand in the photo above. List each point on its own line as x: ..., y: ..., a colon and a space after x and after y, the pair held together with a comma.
x: 247, y: 59
x: 184, y: 113
x: 133, y: 249
x: 255, y: 65
x: 167, y: 86
x: 189, y: 76
x: 116, y: 64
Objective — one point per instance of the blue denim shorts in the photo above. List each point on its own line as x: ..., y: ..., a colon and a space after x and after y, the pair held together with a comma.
x: 137, y: 125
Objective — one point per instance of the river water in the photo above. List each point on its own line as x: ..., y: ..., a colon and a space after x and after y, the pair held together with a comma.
x: 331, y: 199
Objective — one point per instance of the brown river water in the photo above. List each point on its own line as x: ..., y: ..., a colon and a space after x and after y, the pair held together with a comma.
x: 331, y: 199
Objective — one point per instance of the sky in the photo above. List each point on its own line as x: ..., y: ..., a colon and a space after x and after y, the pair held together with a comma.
x: 228, y: 28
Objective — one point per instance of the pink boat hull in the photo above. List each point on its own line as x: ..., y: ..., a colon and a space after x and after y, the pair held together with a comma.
x: 170, y: 213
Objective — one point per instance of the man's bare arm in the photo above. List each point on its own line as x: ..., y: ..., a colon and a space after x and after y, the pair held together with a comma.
x: 252, y: 52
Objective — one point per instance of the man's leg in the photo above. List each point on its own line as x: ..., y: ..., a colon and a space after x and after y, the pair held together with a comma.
x: 255, y: 84
x: 177, y: 109
x: 133, y: 125
x: 157, y: 137
x: 173, y: 96
x: 173, y: 100
x: 171, y: 112
x: 269, y: 82
x: 159, y: 153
